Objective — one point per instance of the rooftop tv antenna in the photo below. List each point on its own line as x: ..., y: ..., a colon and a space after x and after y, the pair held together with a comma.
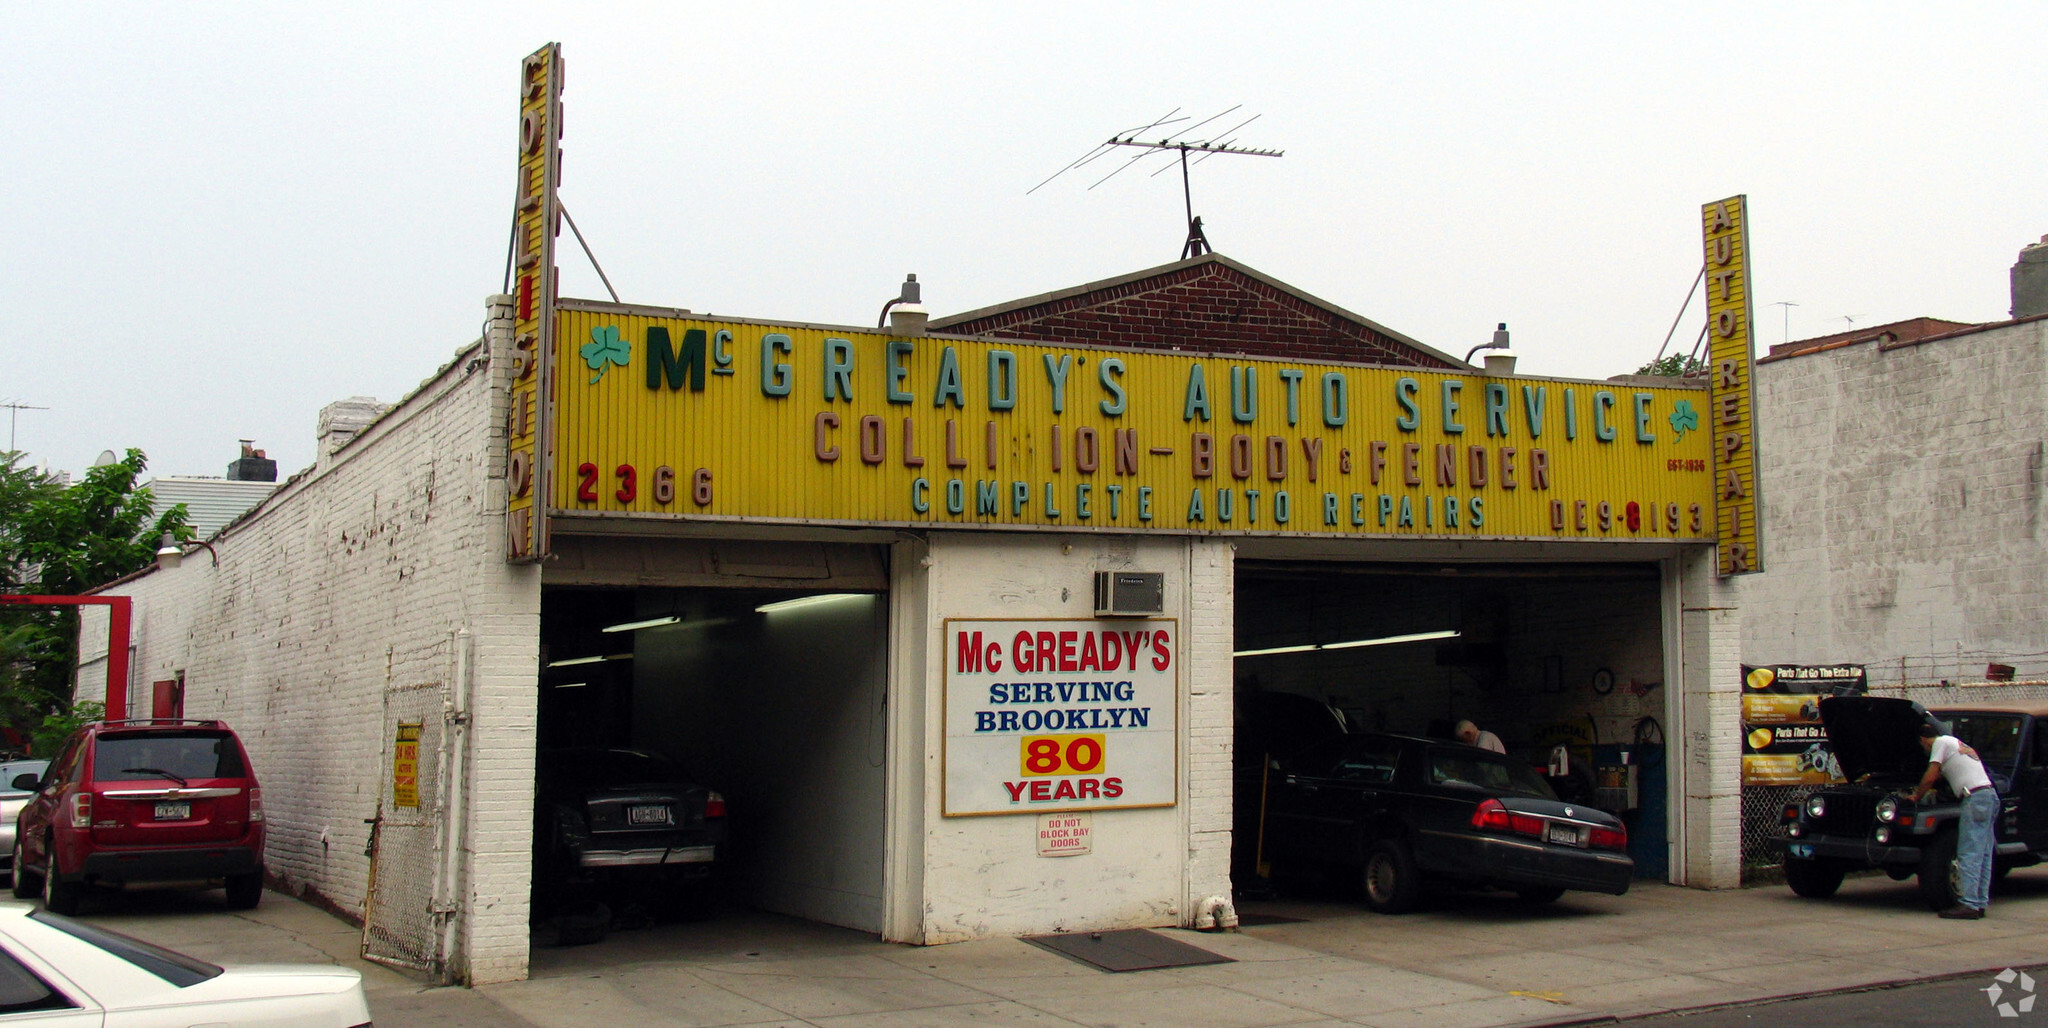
x: 14, y: 409
x: 1180, y: 141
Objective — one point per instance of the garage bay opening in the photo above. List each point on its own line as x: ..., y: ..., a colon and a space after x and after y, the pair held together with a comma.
x: 705, y: 750
x: 1562, y: 666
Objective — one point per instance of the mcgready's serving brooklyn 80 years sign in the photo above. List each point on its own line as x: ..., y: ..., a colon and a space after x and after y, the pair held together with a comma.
x: 659, y: 416
x: 1061, y: 715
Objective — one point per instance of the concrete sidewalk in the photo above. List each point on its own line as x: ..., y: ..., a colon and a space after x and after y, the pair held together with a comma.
x: 1466, y: 960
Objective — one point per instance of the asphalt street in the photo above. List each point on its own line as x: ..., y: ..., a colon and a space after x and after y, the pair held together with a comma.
x: 1949, y: 1003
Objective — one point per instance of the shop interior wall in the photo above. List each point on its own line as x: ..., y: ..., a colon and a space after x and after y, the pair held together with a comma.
x: 783, y: 713
x: 1524, y: 666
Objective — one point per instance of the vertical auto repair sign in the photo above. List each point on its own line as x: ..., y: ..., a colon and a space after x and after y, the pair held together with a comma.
x: 1049, y: 716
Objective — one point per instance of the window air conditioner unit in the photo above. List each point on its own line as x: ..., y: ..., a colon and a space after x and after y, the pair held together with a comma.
x: 1129, y: 593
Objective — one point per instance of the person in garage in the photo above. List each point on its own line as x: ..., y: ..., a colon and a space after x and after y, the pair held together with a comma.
x: 1948, y: 758
x: 1472, y: 735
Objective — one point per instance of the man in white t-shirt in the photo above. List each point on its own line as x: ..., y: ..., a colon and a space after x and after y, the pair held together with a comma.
x: 1976, y: 836
x: 1472, y: 735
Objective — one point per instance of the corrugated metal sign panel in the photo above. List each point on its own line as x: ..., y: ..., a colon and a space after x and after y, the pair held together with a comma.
x: 677, y: 416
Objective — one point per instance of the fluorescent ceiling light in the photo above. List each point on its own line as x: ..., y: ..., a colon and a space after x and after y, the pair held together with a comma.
x: 1276, y: 649
x: 1353, y: 644
x: 631, y: 626
x: 571, y: 685
x: 804, y: 601
x: 1386, y: 640
x: 573, y: 661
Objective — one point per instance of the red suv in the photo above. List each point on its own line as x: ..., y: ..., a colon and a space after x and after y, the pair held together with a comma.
x: 142, y: 801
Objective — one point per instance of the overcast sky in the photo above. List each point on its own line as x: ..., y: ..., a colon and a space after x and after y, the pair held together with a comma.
x: 221, y: 217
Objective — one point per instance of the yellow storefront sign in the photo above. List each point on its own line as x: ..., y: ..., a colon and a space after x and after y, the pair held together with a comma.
x: 661, y: 416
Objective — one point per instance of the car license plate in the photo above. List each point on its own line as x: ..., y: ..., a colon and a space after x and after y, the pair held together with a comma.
x: 1566, y: 835
x: 649, y: 814
x: 174, y: 811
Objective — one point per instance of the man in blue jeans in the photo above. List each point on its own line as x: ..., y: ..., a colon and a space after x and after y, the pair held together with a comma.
x: 1949, y: 759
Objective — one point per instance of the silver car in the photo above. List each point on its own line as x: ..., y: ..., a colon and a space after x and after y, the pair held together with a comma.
x: 11, y: 802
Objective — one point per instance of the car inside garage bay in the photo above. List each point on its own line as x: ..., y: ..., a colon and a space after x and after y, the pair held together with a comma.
x: 1563, y: 662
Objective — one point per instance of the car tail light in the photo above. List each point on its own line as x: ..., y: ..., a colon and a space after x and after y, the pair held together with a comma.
x: 1609, y: 838
x: 81, y: 810
x: 255, y: 805
x: 714, y: 804
x: 1491, y: 816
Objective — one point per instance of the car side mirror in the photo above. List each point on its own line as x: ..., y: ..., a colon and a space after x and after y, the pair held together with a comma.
x: 26, y: 783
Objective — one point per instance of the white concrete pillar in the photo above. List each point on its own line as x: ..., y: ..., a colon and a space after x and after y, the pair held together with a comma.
x: 1710, y: 627
x: 1208, y: 636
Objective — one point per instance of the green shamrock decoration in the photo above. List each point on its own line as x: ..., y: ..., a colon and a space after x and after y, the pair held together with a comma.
x: 1684, y: 419
x: 604, y: 350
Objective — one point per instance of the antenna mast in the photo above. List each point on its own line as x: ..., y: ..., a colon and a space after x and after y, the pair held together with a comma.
x: 1179, y: 142
x: 14, y: 410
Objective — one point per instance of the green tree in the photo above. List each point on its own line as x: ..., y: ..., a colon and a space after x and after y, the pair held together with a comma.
x: 65, y: 541
x: 20, y: 488
x: 1677, y: 365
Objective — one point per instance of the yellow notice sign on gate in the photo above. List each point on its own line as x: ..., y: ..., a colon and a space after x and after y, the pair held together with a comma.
x: 405, y: 766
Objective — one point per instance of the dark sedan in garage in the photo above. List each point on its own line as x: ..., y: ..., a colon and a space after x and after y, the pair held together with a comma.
x: 616, y: 818
x: 1403, y: 811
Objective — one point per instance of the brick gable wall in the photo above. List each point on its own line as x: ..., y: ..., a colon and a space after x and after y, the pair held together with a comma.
x: 1209, y: 308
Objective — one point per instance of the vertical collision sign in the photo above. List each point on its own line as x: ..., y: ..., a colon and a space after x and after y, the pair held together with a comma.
x: 535, y: 222
x: 1729, y: 317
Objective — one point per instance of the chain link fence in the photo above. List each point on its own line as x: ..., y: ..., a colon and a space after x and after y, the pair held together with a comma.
x: 1763, y: 805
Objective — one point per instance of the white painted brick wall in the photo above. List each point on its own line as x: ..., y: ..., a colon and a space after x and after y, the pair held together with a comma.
x: 346, y: 582
x: 1903, y: 522
x: 982, y: 876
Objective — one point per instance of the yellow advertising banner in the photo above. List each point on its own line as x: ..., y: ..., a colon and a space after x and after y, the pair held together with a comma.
x: 663, y: 415
x: 1783, y: 740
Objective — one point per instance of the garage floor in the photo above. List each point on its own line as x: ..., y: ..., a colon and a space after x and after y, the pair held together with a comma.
x: 1468, y: 960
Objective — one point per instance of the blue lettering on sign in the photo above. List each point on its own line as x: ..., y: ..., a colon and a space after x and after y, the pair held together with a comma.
x: 1059, y: 697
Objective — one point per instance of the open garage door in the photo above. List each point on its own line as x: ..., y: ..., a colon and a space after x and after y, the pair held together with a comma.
x: 756, y: 720
x: 1564, y: 663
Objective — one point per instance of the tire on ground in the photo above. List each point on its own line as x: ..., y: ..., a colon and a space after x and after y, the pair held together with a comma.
x: 1813, y: 879
x: 1938, y: 886
x: 1392, y: 884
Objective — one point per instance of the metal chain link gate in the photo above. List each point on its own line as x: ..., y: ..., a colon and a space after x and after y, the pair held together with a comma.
x: 400, y: 925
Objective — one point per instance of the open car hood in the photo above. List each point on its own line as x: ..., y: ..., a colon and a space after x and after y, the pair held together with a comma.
x: 1875, y: 735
